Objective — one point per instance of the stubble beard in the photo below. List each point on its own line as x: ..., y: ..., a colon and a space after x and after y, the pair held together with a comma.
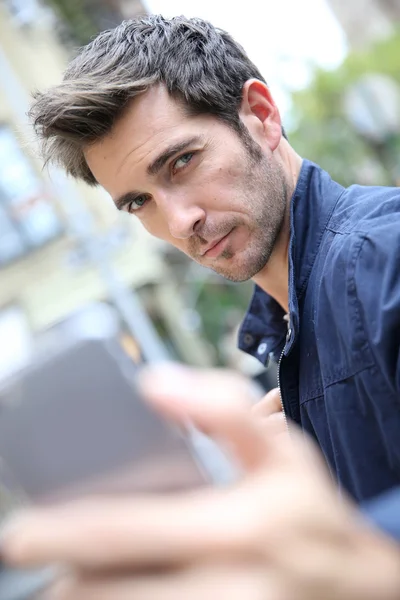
x: 265, y: 192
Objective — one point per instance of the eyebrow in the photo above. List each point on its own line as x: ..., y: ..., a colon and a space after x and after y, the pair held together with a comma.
x: 155, y: 167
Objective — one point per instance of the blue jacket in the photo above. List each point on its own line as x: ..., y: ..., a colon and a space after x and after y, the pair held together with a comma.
x: 340, y: 355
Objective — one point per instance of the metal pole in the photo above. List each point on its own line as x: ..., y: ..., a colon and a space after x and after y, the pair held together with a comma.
x: 81, y: 223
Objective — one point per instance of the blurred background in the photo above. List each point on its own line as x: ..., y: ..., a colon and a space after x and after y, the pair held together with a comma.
x: 334, y: 68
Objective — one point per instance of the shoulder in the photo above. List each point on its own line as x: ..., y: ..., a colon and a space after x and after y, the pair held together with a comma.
x: 365, y: 283
x: 360, y: 209
x: 362, y: 236
x: 359, y: 272
x: 358, y: 297
x: 376, y: 279
x: 363, y: 265
x: 364, y: 233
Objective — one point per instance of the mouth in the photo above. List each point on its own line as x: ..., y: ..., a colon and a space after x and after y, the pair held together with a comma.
x: 216, y: 247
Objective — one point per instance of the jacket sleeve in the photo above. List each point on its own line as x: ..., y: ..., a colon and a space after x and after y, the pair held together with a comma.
x: 377, y: 291
x: 384, y: 512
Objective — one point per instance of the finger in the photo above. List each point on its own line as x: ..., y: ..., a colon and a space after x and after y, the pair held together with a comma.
x: 144, y: 532
x: 217, y: 402
x: 275, y: 425
x: 210, y: 582
x: 270, y: 404
x: 163, y: 530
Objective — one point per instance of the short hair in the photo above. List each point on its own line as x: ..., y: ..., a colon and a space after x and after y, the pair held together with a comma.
x: 201, y: 66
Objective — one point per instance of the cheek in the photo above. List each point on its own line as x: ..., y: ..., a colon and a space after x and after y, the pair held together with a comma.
x: 157, y: 226
x: 221, y: 188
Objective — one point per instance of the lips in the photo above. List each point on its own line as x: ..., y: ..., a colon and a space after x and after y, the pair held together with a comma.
x: 212, y: 245
x: 213, y: 249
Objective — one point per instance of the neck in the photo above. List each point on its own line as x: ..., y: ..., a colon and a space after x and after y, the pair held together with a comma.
x: 274, y: 277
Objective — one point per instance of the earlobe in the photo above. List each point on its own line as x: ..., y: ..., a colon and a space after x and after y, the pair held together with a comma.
x: 257, y: 103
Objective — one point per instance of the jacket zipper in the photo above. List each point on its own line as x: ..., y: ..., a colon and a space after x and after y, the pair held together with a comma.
x: 279, y: 379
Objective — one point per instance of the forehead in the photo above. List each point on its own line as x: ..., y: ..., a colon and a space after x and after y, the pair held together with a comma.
x: 150, y: 112
x: 150, y: 121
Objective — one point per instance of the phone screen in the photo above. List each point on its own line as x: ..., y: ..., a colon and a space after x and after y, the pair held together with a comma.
x: 72, y: 424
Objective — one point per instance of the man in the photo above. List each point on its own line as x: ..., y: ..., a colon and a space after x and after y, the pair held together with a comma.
x: 176, y: 123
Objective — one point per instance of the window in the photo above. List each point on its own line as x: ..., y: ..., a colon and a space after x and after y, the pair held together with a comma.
x: 27, y: 218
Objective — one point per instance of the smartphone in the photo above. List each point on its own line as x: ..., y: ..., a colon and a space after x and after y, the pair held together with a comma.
x: 72, y: 424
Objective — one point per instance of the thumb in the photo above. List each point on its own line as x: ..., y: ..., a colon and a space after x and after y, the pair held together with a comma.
x: 217, y: 402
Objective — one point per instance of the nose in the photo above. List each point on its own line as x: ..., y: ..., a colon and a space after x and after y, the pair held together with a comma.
x: 183, y: 218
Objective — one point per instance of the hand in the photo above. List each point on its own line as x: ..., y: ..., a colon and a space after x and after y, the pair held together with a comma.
x: 281, y: 533
x: 270, y: 410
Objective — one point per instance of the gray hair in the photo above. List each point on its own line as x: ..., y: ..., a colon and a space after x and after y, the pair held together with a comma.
x: 201, y: 66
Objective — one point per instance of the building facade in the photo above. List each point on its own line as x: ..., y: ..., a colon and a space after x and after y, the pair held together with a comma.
x: 45, y: 273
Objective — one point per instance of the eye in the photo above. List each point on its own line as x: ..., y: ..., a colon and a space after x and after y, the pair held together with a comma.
x: 182, y: 162
x: 137, y: 203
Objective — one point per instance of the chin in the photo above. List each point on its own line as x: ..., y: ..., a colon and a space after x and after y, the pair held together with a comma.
x: 235, y: 278
x: 242, y: 270
x: 236, y: 273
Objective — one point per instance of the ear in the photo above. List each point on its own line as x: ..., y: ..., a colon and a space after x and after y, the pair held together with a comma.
x: 260, y: 114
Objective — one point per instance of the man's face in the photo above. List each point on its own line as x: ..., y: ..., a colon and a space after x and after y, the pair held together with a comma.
x: 193, y: 182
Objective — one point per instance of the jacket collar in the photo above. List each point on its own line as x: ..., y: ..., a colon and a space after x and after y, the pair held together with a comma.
x: 264, y: 329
